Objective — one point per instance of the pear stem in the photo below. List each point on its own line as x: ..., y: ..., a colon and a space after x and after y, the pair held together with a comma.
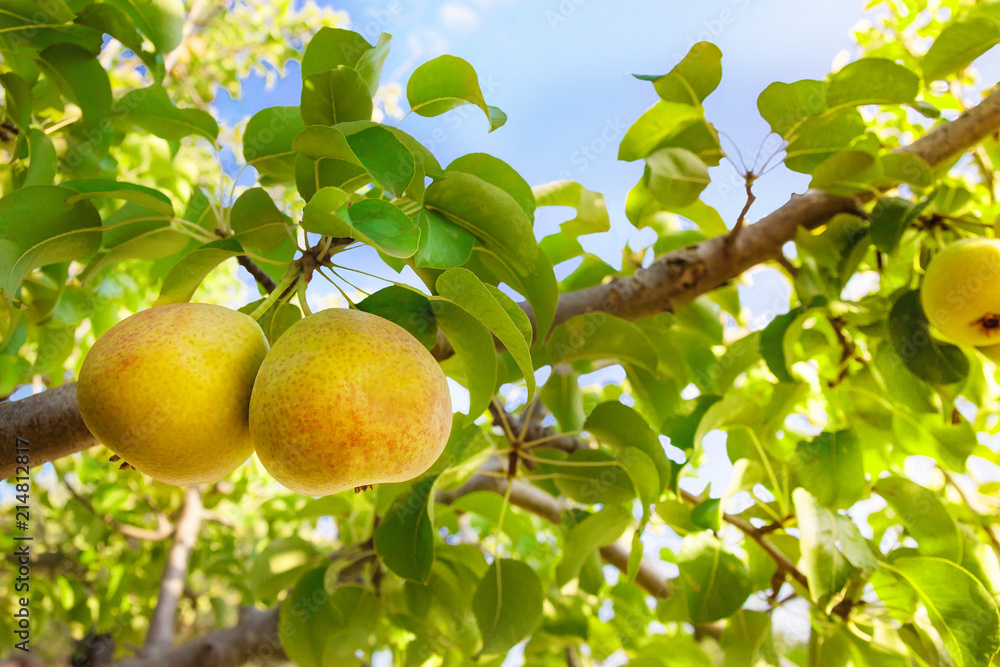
x: 286, y: 281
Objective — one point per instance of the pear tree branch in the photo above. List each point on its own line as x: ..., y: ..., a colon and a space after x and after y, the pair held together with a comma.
x: 51, y: 420
x: 539, y: 503
x: 258, y: 274
x: 163, y: 530
x: 160, y: 637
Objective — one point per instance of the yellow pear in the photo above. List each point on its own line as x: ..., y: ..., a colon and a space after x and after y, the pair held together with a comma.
x: 168, y: 390
x: 348, y: 399
x: 961, y: 292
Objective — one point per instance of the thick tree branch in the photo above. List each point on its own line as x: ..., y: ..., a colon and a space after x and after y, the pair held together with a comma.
x: 255, y: 637
x: 678, y: 277
x: 671, y: 281
x: 49, y: 421
x: 161, y: 626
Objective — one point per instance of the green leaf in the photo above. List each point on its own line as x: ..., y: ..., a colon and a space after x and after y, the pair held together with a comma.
x: 337, y: 96
x: 924, y: 516
x: 715, y: 582
x: 18, y: 99
x: 443, y: 244
x: 704, y: 216
x: 464, y: 289
x: 279, y: 565
x: 617, y: 424
x: 153, y: 244
x: 186, y: 275
x: 405, y: 538
x: 592, y: 476
x: 498, y: 173
x: 162, y: 21
x: 507, y: 605
x: 407, y: 308
x: 323, y: 141
x: 598, y: 336
x: 563, y: 398
x: 257, y: 222
x: 108, y: 18
x: 81, y: 78
x: 890, y: 217
x: 693, y: 78
x: 676, y: 176
x: 748, y: 641
x: 708, y: 514
x: 306, y: 618
x: 591, y: 211
x: 424, y: 156
x: 489, y: 213
x: 825, y: 568
x: 58, y: 232
x: 474, y: 350
x: 959, y: 44
x: 818, y: 138
x: 934, y: 362
x: 662, y: 121
x: 906, y: 168
x: 733, y: 411
x: 831, y: 468
x: 847, y: 173
x: 560, y: 248
x: 584, y: 538
x: 872, y: 81
x: 44, y: 163
x: 516, y: 313
x: 321, y: 214
x: 385, y: 158
x: 445, y: 83
x: 106, y: 188
x: 962, y: 611
x: 538, y: 286
x: 785, y: 106
x: 313, y: 175
x: 273, y: 323
x: 950, y: 443
x: 330, y: 48
x: 373, y: 221
x: 152, y: 110
x: 267, y: 143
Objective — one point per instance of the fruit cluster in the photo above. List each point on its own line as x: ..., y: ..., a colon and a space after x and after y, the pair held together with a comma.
x: 345, y: 399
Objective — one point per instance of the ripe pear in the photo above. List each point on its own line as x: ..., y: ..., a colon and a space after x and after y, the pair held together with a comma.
x: 168, y: 390
x: 961, y: 292
x: 347, y: 399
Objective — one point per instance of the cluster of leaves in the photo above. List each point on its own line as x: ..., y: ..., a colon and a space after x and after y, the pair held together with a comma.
x: 823, y: 411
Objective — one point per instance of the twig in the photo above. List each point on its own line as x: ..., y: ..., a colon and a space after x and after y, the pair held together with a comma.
x: 785, y: 566
x: 551, y: 509
x: 161, y: 626
x: 163, y: 530
x: 994, y: 541
x: 741, y: 221
x: 259, y: 274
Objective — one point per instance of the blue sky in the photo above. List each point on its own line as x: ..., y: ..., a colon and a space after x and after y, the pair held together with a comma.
x: 561, y: 70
